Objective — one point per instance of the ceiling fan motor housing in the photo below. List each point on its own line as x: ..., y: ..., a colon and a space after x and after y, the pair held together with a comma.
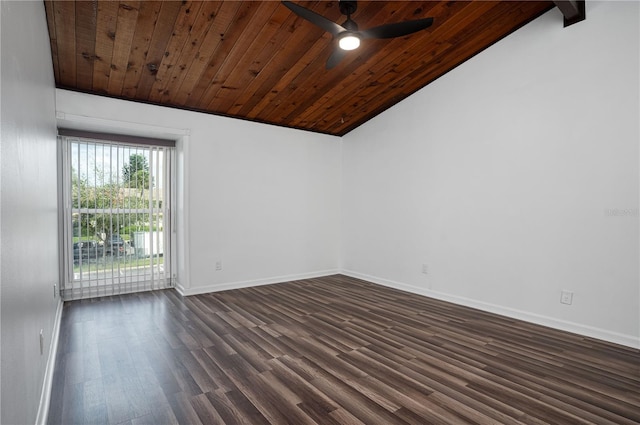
x: 350, y: 25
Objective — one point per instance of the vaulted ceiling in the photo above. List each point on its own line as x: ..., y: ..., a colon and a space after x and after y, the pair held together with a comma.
x: 259, y: 61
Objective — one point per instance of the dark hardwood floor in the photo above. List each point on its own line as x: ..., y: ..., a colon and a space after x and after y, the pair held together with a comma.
x: 332, y: 350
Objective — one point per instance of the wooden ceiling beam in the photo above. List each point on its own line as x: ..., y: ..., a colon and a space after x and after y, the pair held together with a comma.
x: 574, y: 11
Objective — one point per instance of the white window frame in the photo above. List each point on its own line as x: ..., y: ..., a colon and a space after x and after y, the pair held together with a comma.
x: 71, y: 288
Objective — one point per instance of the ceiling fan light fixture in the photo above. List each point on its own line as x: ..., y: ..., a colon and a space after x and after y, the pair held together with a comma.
x: 348, y: 35
x: 349, y: 41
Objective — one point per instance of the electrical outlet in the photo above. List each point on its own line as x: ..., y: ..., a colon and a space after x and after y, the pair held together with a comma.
x: 41, y: 341
x: 218, y: 265
x: 566, y: 297
x: 425, y: 269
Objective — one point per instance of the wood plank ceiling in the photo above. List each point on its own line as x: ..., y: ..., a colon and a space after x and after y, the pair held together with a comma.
x: 257, y: 60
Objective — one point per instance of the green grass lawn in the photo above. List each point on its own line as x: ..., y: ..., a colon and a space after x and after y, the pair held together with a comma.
x: 108, y: 263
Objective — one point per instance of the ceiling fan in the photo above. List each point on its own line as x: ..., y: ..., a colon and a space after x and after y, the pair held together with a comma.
x: 348, y: 35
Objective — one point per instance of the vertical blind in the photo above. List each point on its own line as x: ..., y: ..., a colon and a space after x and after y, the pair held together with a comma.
x: 117, y: 217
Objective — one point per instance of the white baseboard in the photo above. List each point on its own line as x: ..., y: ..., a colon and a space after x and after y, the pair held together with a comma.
x: 577, y: 328
x: 45, y: 395
x: 203, y: 289
x: 181, y: 289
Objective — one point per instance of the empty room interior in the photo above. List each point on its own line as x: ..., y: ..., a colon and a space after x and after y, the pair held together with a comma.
x: 216, y: 212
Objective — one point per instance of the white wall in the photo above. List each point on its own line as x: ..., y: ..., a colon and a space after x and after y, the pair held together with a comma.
x: 263, y: 200
x: 28, y: 232
x: 501, y: 175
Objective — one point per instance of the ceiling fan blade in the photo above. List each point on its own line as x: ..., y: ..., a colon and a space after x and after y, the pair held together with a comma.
x: 397, y: 30
x: 314, y: 18
x: 335, y: 58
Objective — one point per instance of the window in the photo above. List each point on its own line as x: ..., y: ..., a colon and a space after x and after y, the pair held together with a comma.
x: 117, y: 215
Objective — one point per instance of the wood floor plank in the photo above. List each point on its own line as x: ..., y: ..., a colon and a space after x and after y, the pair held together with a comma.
x: 183, y: 410
x: 328, y: 351
x: 205, y: 410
